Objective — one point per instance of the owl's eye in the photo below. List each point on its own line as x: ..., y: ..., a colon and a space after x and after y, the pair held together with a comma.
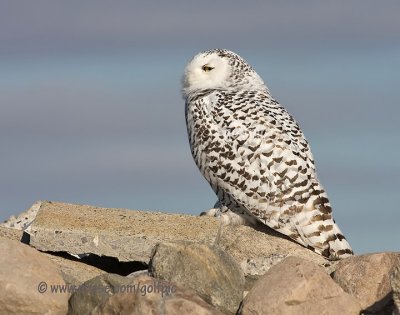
x: 206, y: 68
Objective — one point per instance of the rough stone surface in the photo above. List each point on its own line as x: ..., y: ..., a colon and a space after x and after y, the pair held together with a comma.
x: 128, y: 235
x: 22, y: 269
x: 188, y: 250
x: 297, y: 286
x: 96, y: 291
x: 395, y: 282
x: 259, y: 249
x: 143, y: 302
x: 74, y: 272
x: 367, y: 277
x: 131, y: 235
x: 10, y: 233
x: 207, y: 269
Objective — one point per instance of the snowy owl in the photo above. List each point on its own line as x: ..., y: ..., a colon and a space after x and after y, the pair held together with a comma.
x: 254, y: 155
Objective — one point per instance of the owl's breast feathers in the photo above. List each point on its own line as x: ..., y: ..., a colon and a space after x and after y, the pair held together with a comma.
x: 251, y: 130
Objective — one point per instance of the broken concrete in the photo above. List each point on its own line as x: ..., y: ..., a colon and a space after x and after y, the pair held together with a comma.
x: 128, y: 235
x: 131, y: 235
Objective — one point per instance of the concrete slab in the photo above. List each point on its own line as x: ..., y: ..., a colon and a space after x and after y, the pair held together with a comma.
x: 130, y: 235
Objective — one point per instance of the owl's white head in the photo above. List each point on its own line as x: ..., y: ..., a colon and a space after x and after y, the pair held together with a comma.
x: 219, y: 69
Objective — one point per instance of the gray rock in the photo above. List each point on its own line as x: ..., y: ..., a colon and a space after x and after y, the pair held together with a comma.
x: 260, y: 265
x: 96, y: 291
x: 130, y: 235
x: 367, y: 277
x: 297, y: 286
x: 207, y: 269
x: 395, y: 283
x: 26, y: 280
x: 155, y: 296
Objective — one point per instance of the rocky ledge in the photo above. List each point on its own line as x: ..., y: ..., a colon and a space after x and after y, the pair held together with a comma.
x: 60, y: 258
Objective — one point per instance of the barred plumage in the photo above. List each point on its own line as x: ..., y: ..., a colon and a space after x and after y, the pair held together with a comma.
x: 253, y: 153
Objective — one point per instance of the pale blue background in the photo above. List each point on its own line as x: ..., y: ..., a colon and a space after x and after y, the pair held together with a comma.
x: 91, y: 112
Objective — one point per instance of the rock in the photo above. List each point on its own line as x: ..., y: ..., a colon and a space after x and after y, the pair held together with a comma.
x: 367, y: 277
x: 207, y: 269
x: 155, y: 296
x: 96, y: 291
x: 130, y: 235
x: 24, y: 274
x: 114, y: 294
x: 23, y: 220
x: 73, y: 271
x: 11, y: 234
x: 297, y: 286
x: 395, y: 283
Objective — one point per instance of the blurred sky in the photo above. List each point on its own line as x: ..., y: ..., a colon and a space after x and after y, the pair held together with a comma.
x: 91, y: 111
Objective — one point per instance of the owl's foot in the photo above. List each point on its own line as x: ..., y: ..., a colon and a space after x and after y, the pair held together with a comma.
x: 227, y: 216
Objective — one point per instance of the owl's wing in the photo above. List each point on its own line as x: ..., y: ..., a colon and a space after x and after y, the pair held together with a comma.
x: 265, y: 166
x: 265, y: 154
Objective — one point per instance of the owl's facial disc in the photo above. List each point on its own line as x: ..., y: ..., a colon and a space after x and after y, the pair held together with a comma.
x: 205, y: 72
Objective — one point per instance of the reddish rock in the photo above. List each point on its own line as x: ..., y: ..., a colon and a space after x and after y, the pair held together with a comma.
x: 367, y: 277
x: 26, y: 277
x: 395, y: 282
x: 297, y: 286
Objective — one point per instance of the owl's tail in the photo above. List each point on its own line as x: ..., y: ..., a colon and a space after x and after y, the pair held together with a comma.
x: 318, y: 231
